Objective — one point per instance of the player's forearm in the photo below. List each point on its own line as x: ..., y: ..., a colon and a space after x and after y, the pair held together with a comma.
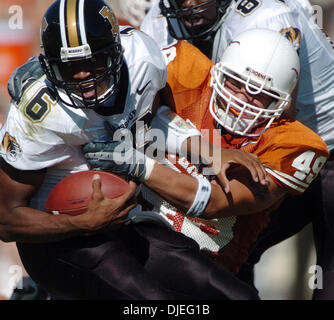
x: 197, y: 150
x: 246, y: 197
x: 176, y: 188
x: 180, y: 190
x: 25, y: 224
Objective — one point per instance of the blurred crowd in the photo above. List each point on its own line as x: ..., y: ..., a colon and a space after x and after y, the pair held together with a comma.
x: 19, y: 25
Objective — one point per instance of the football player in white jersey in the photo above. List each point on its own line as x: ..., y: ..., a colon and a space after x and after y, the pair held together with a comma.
x: 211, y: 25
x: 94, y: 73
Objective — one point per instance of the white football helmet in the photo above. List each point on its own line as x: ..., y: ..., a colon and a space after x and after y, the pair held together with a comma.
x: 135, y: 10
x: 265, y: 62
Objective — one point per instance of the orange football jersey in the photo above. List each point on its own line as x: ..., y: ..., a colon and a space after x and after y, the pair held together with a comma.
x: 292, y: 153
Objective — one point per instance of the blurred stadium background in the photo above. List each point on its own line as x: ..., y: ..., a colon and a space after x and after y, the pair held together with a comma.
x: 283, y: 272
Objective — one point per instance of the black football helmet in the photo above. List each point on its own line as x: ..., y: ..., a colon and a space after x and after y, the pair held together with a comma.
x: 83, y: 54
x: 182, y: 20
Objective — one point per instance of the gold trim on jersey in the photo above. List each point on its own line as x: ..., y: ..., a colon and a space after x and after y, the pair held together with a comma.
x: 36, y: 108
x: 29, y: 95
x: 248, y: 6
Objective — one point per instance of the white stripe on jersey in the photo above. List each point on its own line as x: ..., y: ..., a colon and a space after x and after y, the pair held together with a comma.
x: 62, y: 23
x: 292, y: 179
x: 82, y: 22
x: 277, y: 175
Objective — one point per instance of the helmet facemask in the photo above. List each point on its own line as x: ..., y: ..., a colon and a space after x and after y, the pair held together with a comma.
x: 103, y: 75
x: 253, y: 82
x: 238, y: 116
x: 193, y: 22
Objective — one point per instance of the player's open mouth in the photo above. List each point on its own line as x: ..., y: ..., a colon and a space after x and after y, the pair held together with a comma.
x: 89, y: 94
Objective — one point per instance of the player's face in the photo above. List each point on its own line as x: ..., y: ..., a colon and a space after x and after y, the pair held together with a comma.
x: 84, y: 77
x: 202, y: 15
x: 89, y: 90
x: 238, y: 90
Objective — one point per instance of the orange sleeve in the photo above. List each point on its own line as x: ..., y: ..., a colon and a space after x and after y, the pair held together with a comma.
x: 293, y: 155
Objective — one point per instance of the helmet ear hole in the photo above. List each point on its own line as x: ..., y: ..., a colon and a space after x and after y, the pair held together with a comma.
x: 82, y: 51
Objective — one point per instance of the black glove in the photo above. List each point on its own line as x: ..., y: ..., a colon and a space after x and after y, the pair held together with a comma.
x: 30, y: 70
x: 119, y: 157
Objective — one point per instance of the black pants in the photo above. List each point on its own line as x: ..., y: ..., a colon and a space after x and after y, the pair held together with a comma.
x: 316, y: 205
x: 142, y: 261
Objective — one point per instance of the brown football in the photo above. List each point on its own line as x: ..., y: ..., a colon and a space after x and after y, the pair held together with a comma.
x: 72, y: 194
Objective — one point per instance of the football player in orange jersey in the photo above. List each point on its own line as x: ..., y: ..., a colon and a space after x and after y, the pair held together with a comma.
x: 243, y: 105
x: 210, y: 25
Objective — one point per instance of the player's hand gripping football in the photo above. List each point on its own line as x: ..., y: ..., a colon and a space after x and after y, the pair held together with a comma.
x: 104, y: 213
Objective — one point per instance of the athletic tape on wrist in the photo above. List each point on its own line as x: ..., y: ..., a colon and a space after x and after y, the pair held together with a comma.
x: 176, y: 130
x: 149, y: 165
x: 201, y: 199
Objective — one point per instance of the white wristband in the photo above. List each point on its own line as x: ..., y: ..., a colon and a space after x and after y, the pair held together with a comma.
x: 149, y: 165
x: 201, y: 199
x: 175, y: 129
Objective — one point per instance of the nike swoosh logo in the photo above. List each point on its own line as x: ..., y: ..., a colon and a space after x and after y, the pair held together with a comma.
x: 140, y: 91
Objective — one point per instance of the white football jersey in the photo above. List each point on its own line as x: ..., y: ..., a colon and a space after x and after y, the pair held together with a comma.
x: 294, y: 19
x: 41, y: 133
x: 155, y: 25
